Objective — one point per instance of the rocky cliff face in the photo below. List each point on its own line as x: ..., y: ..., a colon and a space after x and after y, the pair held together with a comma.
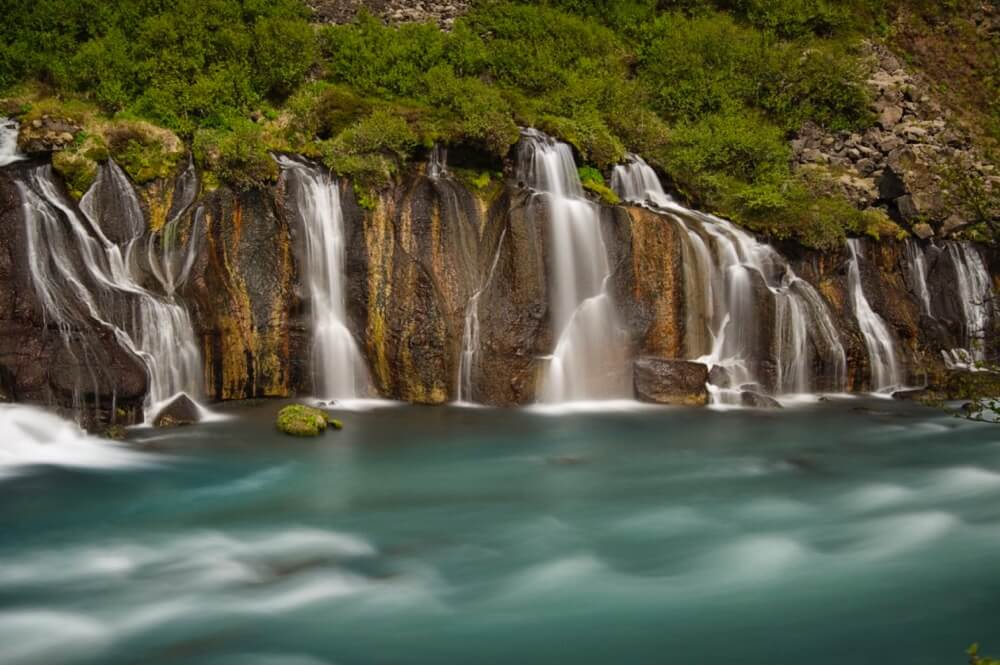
x: 915, y: 162
x: 79, y: 368
x: 414, y: 263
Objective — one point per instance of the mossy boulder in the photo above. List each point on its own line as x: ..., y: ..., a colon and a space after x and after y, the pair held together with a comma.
x: 301, y: 420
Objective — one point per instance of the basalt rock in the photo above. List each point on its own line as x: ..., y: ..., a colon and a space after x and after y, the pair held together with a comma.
x: 755, y: 400
x: 181, y: 410
x: 244, y: 295
x: 513, y: 309
x: 673, y: 382
x: 417, y: 262
x: 85, y: 373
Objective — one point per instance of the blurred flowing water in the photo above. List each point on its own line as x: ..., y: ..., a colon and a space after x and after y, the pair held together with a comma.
x: 849, y: 531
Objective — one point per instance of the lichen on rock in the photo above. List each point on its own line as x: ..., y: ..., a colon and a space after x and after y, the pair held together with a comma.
x: 301, y: 420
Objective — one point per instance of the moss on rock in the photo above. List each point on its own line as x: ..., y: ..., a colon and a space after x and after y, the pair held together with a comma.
x: 301, y: 420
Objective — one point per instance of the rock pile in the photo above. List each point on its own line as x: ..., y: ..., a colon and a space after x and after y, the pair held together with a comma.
x: 442, y: 12
x: 902, y: 163
x: 46, y: 134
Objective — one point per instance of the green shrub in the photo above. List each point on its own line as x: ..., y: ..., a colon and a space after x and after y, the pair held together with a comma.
x: 237, y: 156
x: 593, y: 181
x: 590, y: 136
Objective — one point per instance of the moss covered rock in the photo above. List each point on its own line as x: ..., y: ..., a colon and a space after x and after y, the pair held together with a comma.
x: 301, y: 420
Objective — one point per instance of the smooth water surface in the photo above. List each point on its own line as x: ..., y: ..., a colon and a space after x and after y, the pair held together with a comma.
x: 850, y: 531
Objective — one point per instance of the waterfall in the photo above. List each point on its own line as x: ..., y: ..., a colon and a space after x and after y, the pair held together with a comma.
x: 437, y: 164
x: 470, y: 333
x: 975, y: 296
x: 588, y: 362
x: 637, y: 182
x: 8, y: 142
x: 81, y: 277
x: 338, y: 365
x: 170, y: 262
x: 918, y: 275
x: 727, y: 276
x: 974, y: 291
x: 885, y: 369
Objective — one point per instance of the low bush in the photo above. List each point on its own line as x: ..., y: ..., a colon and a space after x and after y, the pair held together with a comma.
x: 237, y: 156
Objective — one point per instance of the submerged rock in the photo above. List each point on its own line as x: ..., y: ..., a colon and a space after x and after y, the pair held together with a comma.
x: 756, y: 400
x: 301, y: 420
x: 676, y: 382
x: 181, y: 410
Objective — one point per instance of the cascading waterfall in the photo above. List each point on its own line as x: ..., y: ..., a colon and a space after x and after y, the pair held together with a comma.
x: 588, y: 362
x: 885, y: 366
x: 470, y: 333
x: 338, y: 365
x: 8, y: 142
x: 80, y: 276
x: 636, y: 181
x: 975, y: 296
x: 726, y: 272
x: 437, y: 164
x: 170, y: 261
x: 918, y: 275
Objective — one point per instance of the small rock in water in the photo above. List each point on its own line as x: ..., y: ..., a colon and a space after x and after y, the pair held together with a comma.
x: 719, y: 376
x: 758, y: 401
x: 301, y: 420
x: 181, y: 410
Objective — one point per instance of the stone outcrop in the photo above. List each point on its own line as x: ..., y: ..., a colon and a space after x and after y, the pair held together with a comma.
x: 673, y: 382
x: 413, y: 265
x: 47, y: 134
x: 416, y: 261
x: 908, y: 161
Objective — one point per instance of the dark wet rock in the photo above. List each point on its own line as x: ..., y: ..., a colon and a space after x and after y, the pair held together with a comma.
x: 674, y: 382
x: 41, y: 365
x: 719, y: 376
x: 244, y: 295
x: 915, y: 394
x: 417, y: 260
x: 756, y: 400
x: 181, y: 410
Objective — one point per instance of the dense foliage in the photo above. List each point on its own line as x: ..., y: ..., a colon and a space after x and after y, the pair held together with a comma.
x: 707, y: 90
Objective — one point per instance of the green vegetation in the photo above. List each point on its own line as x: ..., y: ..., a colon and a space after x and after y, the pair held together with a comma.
x: 976, y: 659
x: 708, y: 91
x: 593, y: 181
x: 300, y: 420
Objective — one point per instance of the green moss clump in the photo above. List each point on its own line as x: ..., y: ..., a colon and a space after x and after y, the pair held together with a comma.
x: 238, y: 155
x: 301, y: 420
x: 144, y: 151
x: 77, y: 171
x: 593, y: 182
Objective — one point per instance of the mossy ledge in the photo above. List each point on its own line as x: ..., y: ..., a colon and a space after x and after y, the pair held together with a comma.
x: 304, y: 421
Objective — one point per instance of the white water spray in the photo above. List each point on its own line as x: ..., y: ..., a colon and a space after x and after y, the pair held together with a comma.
x: 80, y: 277
x: 8, y: 142
x: 885, y: 367
x: 588, y: 362
x: 727, y: 272
x: 338, y: 365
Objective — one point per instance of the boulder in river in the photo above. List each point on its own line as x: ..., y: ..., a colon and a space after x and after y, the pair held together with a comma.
x: 301, y: 420
x: 676, y: 382
x: 756, y: 400
x: 181, y: 410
